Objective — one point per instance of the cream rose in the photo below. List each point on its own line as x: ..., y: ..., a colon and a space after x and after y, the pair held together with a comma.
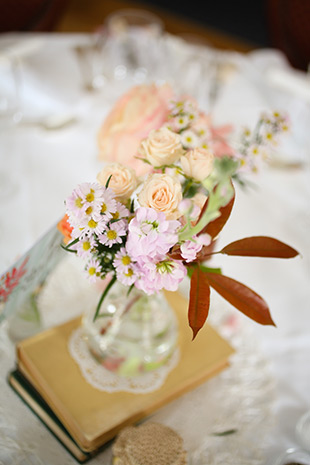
x: 123, y: 181
x: 197, y: 163
x: 161, y: 147
x: 163, y: 193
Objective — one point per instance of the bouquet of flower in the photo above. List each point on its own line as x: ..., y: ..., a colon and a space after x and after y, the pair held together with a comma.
x: 152, y: 231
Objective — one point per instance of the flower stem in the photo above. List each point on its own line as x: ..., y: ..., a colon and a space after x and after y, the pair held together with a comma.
x: 105, y: 292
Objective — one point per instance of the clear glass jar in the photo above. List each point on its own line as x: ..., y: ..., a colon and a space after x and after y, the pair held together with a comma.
x: 294, y: 457
x: 134, y: 333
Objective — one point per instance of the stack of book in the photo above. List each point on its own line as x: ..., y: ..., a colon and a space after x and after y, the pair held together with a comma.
x: 83, y: 418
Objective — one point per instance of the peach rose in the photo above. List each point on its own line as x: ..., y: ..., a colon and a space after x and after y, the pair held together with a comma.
x: 197, y: 163
x: 143, y: 108
x: 123, y: 181
x: 162, y: 147
x: 163, y: 193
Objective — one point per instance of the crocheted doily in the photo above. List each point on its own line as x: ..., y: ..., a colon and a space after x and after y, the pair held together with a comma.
x: 105, y: 380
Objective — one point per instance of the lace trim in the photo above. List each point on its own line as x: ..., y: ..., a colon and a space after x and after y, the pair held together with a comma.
x: 105, y: 380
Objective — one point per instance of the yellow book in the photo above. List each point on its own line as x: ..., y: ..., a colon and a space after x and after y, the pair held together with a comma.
x: 93, y: 417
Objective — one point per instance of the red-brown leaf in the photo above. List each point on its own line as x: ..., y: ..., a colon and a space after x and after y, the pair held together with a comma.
x: 260, y: 246
x: 175, y: 253
x: 199, y: 301
x: 205, y: 253
x: 216, y: 226
x: 241, y: 297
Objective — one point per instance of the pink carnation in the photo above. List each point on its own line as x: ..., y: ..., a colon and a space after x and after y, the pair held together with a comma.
x: 150, y: 234
x: 190, y: 249
x: 160, y: 274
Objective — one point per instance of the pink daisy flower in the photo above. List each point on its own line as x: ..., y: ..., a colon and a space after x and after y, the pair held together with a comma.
x: 128, y: 276
x: 91, y: 192
x: 75, y: 204
x: 108, y: 204
x: 92, y: 225
x: 120, y: 212
x: 113, y: 233
x: 85, y: 247
x: 93, y: 270
x: 122, y: 260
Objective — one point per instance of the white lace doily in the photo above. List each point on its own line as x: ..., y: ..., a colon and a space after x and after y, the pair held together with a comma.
x: 240, y: 398
x: 105, y: 380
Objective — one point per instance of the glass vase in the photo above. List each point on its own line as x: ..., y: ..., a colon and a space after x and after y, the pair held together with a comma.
x: 133, y: 333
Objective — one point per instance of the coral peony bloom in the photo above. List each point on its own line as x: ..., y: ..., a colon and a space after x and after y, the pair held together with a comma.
x: 143, y: 108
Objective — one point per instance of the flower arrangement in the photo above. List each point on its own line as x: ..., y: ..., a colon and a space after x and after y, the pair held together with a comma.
x: 152, y: 231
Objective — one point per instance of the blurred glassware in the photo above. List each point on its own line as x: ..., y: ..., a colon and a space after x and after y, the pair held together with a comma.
x: 10, y: 88
x: 13, y: 51
x: 294, y: 457
x: 303, y: 430
x: 10, y: 113
x: 133, y: 45
x: 203, y: 72
x: 91, y: 63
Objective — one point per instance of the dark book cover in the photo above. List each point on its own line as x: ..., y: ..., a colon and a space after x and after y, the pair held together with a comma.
x: 38, y: 405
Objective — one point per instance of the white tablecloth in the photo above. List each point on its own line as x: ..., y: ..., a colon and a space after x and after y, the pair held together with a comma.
x: 40, y: 167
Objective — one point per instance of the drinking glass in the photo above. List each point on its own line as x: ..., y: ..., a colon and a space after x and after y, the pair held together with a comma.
x: 91, y: 63
x: 133, y: 45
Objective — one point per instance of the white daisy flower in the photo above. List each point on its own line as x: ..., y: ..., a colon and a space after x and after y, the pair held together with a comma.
x: 176, y: 107
x: 189, y: 139
x: 181, y: 122
x: 203, y: 132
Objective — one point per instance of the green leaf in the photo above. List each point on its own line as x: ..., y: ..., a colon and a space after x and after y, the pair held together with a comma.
x: 225, y: 433
x: 144, y: 160
x: 206, y: 269
x: 130, y: 289
x: 67, y: 247
x: 215, y: 226
x: 259, y: 246
x: 241, y: 297
x: 199, y: 301
x: 67, y: 250
x: 108, y: 181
